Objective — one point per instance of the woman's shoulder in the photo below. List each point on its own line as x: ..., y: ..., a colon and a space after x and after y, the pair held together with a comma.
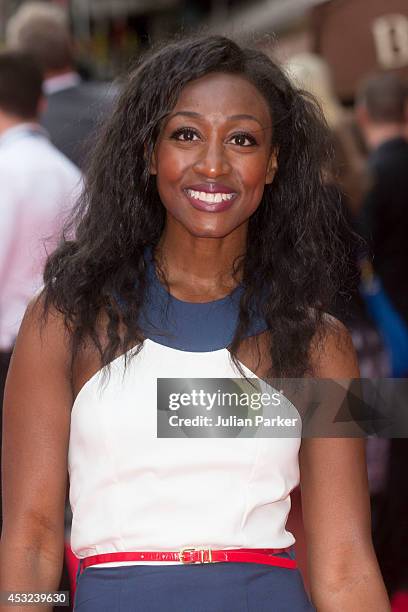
x: 332, y: 354
x: 45, y: 334
x: 44, y: 319
x: 46, y: 331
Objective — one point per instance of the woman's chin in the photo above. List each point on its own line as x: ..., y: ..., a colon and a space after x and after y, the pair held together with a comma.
x: 213, y: 231
x: 203, y: 225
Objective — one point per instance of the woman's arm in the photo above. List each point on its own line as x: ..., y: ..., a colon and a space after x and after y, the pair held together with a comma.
x: 343, y: 569
x: 36, y: 421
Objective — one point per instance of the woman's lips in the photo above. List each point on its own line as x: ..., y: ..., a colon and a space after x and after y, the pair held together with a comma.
x: 211, y: 201
x: 211, y: 188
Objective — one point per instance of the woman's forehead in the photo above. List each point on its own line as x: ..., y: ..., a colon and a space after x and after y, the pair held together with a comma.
x: 228, y: 94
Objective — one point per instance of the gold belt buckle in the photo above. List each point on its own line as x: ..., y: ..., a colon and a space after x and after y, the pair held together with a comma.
x: 204, y: 552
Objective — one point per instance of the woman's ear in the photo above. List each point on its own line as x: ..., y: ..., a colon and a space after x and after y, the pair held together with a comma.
x: 272, y: 167
x: 152, y: 165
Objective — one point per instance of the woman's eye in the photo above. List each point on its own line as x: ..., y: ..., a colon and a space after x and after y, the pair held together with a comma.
x: 185, y: 135
x: 243, y: 140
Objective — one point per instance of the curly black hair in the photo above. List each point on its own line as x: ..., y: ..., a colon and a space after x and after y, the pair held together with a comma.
x: 295, y: 258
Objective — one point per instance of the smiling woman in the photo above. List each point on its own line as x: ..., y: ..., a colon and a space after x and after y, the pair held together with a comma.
x: 206, y: 245
x: 215, y: 155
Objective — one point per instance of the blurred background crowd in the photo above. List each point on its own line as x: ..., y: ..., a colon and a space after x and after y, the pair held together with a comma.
x: 61, y: 64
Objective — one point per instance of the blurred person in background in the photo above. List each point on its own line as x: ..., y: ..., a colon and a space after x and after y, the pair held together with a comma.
x: 311, y: 72
x: 74, y: 106
x: 38, y: 185
x: 380, y: 111
x: 381, y: 114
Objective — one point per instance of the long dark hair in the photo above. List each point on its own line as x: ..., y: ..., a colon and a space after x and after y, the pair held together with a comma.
x: 294, y: 261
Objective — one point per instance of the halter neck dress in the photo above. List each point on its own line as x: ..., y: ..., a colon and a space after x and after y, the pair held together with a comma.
x: 133, y: 491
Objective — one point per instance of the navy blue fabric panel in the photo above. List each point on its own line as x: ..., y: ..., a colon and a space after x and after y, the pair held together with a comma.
x: 219, y: 587
x: 190, y: 326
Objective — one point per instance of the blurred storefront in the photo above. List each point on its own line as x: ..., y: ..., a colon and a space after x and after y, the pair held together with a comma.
x: 356, y: 37
x: 108, y: 33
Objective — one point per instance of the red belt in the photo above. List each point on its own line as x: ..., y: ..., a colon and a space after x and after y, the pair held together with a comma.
x: 190, y: 555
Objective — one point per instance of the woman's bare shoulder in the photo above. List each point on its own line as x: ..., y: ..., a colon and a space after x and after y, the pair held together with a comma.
x: 44, y: 330
x: 332, y: 353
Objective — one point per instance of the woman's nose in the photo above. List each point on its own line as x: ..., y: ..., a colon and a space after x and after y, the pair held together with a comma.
x: 212, y: 160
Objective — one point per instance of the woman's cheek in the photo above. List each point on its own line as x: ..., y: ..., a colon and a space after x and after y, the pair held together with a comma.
x: 256, y: 186
x: 171, y: 167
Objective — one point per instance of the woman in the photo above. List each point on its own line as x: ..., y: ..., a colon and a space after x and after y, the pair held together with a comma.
x: 206, y: 247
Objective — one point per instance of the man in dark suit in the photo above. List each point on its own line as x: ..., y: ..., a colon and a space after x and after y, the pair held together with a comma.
x: 74, y: 107
x: 380, y: 112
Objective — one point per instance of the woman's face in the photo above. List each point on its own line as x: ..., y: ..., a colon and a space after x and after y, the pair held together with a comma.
x: 213, y: 156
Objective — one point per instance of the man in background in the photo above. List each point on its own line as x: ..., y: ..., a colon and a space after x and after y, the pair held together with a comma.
x: 380, y: 112
x: 38, y: 186
x: 74, y: 107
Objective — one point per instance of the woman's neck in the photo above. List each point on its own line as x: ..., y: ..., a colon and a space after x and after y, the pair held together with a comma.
x: 196, y: 267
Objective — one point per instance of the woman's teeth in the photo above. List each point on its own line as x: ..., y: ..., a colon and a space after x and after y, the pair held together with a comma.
x: 209, y: 197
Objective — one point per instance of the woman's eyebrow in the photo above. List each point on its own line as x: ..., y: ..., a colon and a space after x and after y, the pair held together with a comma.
x: 195, y: 115
x: 244, y: 116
